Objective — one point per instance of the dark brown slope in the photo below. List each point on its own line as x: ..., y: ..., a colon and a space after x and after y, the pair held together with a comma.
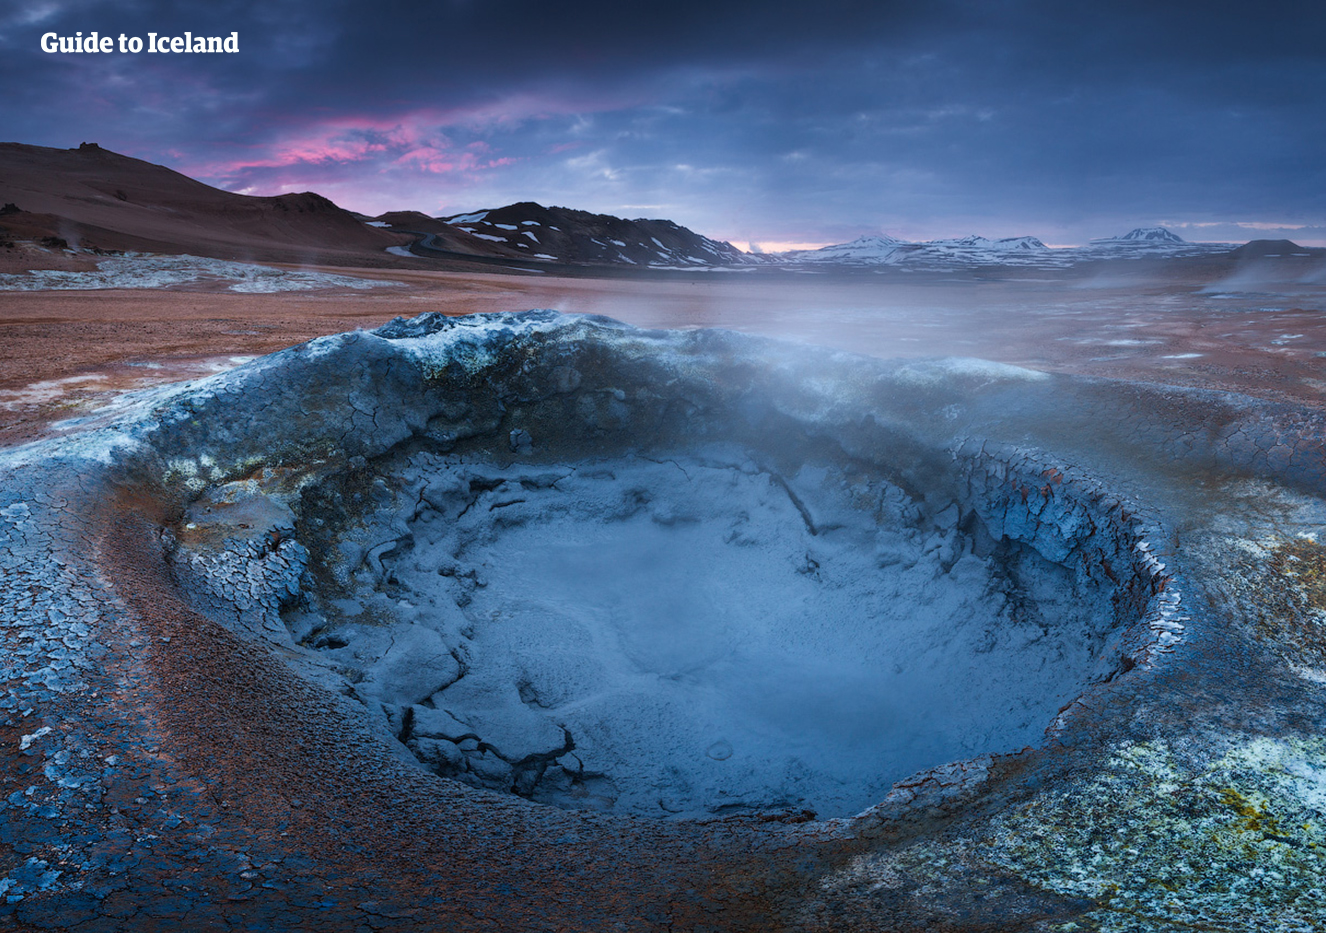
x: 440, y: 236
x: 560, y: 234
x: 93, y: 197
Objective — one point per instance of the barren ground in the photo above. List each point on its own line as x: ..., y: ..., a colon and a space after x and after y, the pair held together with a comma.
x: 65, y: 351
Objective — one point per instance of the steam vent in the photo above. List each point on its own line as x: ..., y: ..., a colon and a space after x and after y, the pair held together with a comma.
x: 535, y: 622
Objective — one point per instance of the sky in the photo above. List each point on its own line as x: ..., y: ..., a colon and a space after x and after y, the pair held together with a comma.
x: 770, y: 125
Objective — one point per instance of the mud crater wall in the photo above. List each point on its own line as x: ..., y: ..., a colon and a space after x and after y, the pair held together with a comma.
x: 273, y: 478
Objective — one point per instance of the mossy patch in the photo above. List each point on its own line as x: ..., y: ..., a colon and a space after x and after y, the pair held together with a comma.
x: 1256, y: 818
x: 1280, y: 590
x: 1303, y: 562
x: 1232, y: 844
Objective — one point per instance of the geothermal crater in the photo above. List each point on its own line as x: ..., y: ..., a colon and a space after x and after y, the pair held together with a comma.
x: 600, y: 568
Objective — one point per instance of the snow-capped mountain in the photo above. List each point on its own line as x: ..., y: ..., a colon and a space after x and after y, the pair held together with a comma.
x: 1153, y: 235
x: 886, y: 250
x: 976, y: 251
x: 980, y: 242
x: 1145, y: 238
x: 532, y: 231
x: 979, y: 249
x: 1146, y: 242
x: 869, y: 250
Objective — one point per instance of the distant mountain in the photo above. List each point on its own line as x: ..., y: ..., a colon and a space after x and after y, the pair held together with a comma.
x: 560, y: 234
x: 980, y: 242
x: 1153, y: 235
x: 1147, y: 236
x: 1019, y: 242
x: 1147, y: 242
x: 886, y: 250
x: 869, y: 250
x: 978, y: 251
x: 1272, y: 249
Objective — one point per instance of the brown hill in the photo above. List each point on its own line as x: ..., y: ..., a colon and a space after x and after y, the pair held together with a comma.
x: 94, y: 198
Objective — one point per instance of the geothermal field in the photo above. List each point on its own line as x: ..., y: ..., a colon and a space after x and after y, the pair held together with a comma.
x: 854, y: 467
x: 432, y: 599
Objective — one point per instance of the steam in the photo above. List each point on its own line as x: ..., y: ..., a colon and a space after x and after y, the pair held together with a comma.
x: 1273, y: 274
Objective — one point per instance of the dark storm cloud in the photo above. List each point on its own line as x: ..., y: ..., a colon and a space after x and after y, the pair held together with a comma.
x: 776, y: 121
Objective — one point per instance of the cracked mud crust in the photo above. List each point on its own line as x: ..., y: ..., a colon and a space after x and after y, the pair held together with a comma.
x: 188, y: 747
x: 691, y: 636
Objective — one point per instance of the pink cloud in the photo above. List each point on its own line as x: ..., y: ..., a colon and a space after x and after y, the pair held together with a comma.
x: 341, y: 140
x: 321, y: 152
x: 419, y: 138
x: 440, y: 161
x: 377, y: 158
